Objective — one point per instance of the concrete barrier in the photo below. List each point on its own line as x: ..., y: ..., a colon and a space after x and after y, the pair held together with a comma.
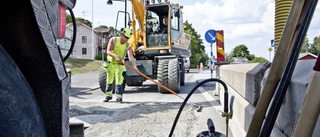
x: 245, y: 82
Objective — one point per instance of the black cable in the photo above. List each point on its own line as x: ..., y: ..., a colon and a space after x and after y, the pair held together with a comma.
x: 286, y: 77
x: 74, y: 25
x: 188, y: 96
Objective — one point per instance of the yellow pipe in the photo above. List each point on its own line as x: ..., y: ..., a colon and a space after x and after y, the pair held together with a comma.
x: 282, y: 8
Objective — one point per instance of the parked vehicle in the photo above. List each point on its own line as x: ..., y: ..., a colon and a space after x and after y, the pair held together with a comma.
x: 240, y: 60
x: 187, y: 65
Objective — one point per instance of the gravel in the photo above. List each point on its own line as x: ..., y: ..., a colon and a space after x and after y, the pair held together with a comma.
x: 147, y: 119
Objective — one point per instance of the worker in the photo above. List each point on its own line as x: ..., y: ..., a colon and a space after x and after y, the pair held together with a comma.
x: 116, y: 51
x: 164, y: 27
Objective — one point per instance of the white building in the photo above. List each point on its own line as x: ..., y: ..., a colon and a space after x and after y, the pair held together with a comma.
x: 83, y: 48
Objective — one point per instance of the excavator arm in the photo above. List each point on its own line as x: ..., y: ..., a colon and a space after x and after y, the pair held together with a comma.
x: 139, y: 13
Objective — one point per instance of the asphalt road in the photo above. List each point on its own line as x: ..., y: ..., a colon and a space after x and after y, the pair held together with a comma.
x: 145, y: 112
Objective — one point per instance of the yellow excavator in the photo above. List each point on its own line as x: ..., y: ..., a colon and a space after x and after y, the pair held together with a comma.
x: 159, y: 43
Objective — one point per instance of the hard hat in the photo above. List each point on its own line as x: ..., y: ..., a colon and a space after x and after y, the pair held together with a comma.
x: 126, y: 32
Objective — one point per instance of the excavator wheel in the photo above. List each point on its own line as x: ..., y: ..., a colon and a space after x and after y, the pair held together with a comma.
x: 182, y: 74
x: 163, y: 75
x: 19, y: 111
x: 174, y: 75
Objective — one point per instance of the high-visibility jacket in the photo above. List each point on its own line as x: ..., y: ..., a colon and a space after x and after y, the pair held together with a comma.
x: 119, y: 49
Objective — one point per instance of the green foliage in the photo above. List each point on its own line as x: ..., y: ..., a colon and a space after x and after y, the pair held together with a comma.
x: 251, y: 56
x: 197, y: 47
x: 240, y: 51
x: 68, y: 19
x: 87, y: 22
x: 111, y: 28
x: 103, y: 26
x: 195, y: 60
x: 204, y: 59
x: 258, y: 60
x: 315, y: 46
x: 305, y: 45
x: 83, y: 65
x: 229, y: 57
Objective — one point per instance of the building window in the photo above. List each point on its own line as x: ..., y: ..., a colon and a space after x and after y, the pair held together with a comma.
x: 84, y: 39
x: 84, y: 51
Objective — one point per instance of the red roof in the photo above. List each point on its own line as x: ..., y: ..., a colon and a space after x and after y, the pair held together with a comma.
x: 303, y: 56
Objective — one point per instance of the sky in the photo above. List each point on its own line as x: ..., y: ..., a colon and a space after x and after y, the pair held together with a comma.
x: 248, y: 22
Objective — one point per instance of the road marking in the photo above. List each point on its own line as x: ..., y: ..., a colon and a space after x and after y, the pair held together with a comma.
x: 210, y: 99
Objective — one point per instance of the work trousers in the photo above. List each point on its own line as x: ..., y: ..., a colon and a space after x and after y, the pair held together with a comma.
x: 114, y: 73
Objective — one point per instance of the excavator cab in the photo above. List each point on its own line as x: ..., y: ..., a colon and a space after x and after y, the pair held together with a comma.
x: 164, y: 28
x: 157, y: 29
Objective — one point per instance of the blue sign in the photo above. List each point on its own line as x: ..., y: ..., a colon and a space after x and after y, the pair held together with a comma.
x: 210, y: 36
x: 272, y: 43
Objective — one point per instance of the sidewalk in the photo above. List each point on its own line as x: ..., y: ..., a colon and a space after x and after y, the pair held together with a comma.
x: 203, y: 75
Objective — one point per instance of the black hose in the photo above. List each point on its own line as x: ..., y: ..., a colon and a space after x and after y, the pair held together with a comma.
x: 190, y: 93
x: 286, y: 77
x: 74, y: 25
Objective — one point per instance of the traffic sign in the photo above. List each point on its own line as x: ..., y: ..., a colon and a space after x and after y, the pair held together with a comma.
x: 210, y: 36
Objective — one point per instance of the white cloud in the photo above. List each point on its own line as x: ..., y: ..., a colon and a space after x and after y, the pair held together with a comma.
x: 248, y: 22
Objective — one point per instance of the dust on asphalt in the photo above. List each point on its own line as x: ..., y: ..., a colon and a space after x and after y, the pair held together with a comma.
x: 147, y: 119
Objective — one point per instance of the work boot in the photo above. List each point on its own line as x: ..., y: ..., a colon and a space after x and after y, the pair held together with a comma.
x: 108, y: 98
x: 119, y: 100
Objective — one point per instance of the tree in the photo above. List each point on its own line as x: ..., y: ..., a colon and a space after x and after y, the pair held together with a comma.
x: 241, y: 51
x: 197, y: 47
x: 68, y: 18
x: 103, y: 26
x: 305, y: 45
x: 315, y: 46
x: 258, y: 60
x: 84, y: 21
x: 251, y: 56
x: 229, y: 56
x: 204, y: 59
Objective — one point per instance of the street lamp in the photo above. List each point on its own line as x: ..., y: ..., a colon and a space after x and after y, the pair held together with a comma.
x: 92, y: 33
x: 109, y: 2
